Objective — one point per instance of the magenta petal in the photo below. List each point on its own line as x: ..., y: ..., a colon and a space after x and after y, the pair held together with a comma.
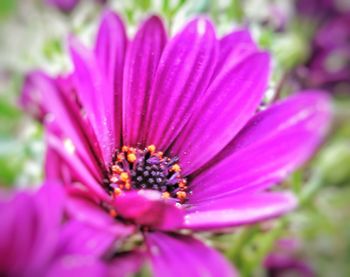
x: 110, y: 48
x: 238, y: 209
x: 147, y: 207
x: 96, y: 95
x: 78, y: 238
x: 86, y: 210
x: 228, y: 104
x: 177, y: 255
x: 52, y: 98
x: 128, y: 264
x: 234, y: 47
x: 273, y: 144
x: 75, y: 265
x: 77, y: 167
x: 31, y: 99
x: 183, y: 73
x: 140, y: 66
x: 29, y: 225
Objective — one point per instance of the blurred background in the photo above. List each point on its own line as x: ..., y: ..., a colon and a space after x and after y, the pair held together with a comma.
x: 310, y: 45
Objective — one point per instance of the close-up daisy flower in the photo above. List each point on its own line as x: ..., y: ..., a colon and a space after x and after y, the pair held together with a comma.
x: 158, y: 135
x: 174, y: 138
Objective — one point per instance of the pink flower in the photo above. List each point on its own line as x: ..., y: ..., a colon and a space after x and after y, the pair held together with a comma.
x: 164, y: 135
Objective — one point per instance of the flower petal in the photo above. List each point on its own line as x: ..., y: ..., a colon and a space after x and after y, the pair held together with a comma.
x: 273, y: 144
x: 82, y: 208
x: 149, y: 208
x: 53, y: 98
x: 140, y: 66
x: 79, y: 238
x: 234, y: 47
x: 110, y: 49
x: 183, y: 74
x: 77, y: 265
x: 126, y: 264
x: 238, y: 209
x: 95, y: 94
x: 77, y: 168
x: 228, y: 104
x: 178, y: 255
x: 26, y: 245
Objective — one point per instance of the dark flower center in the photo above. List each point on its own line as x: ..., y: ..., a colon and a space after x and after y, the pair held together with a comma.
x: 135, y: 169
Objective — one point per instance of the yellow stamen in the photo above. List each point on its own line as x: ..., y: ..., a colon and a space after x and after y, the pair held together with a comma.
x: 124, y: 176
x: 117, y: 191
x: 151, y: 148
x: 166, y: 195
x: 131, y: 157
x: 181, y: 195
x: 116, y: 169
x: 176, y: 168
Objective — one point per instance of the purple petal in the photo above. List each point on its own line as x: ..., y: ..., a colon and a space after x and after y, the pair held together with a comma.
x: 77, y: 167
x: 75, y: 265
x: 49, y: 204
x: 65, y: 6
x: 177, y: 255
x: 234, y: 48
x: 95, y: 93
x: 29, y: 225
x: 183, y: 74
x: 78, y: 238
x: 141, y: 63
x: 125, y: 265
x: 83, y: 209
x: 53, y: 99
x: 110, y: 48
x: 273, y: 144
x: 150, y: 209
x: 228, y: 104
x: 238, y: 209
x: 31, y: 99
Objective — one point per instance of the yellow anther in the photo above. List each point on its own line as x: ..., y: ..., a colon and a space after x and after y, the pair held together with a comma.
x: 151, y: 148
x: 176, y: 168
x: 166, y: 195
x: 125, y: 148
x: 127, y: 185
x: 124, y: 176
x: 160, y: 154
x: 131, y: 157
x: 181, y: 195
x: 117, y: 191
x: 116, y: 169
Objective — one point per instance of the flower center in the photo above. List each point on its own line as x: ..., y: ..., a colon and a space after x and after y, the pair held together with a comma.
x: 135, y: 169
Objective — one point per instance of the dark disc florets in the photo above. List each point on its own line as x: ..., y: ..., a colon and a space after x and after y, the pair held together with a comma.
x: 136, y: 169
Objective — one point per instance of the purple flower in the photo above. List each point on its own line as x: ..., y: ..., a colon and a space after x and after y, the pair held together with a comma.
x: 328, y: 66
x: 67, y: 6
x: 163, y: 134
x: 33, y: 239
x: 284, y: 261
